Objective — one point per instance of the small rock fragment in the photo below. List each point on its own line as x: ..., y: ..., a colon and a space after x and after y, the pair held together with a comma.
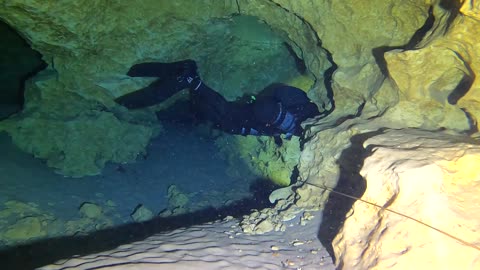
x: 264, y: 226
x: 141, y: 213
x: 298, y: 243
x: 90, y: 210
x: 110, y: 203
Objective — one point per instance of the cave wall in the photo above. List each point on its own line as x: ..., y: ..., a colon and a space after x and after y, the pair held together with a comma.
x: 89, y: 45
x: 88, y: 62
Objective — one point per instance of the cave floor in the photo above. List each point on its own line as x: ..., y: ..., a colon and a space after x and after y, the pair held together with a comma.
x: 177, y: 157
x: 214, y: 245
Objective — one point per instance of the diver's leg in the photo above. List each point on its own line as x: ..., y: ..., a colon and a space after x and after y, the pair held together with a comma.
x: 155, y: 93
x: 162, y: 70
x: 181, y: 75
x: 228, y: 116
x: 209, y: 104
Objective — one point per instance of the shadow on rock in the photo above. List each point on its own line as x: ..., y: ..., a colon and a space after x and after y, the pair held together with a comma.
x: 350, y: 182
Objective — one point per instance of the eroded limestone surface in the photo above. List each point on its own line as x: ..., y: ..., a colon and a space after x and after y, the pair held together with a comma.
x: 436, y: 82
x: 427, y: 176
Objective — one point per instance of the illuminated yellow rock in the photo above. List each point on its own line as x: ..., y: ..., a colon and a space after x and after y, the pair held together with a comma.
x: 425, y: 176
x: 436, y: 80
x: 349, y: 30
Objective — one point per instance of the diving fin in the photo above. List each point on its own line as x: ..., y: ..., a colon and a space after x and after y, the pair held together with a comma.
x: 161, y: 70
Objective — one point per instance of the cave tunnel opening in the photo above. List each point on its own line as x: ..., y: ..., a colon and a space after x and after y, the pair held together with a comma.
x: 190, y: 174
x: 18, y: 63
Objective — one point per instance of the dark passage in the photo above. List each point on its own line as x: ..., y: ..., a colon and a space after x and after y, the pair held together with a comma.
x: 18, y: 62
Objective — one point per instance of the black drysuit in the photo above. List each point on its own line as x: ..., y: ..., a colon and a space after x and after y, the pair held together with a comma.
x: 278, y: 110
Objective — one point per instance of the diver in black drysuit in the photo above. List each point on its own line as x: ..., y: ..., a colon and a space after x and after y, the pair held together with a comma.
x: 280, y: 111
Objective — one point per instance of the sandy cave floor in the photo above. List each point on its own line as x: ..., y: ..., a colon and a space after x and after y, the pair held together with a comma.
x: 215, y: 245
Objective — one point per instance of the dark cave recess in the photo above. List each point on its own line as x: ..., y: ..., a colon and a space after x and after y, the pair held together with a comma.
x: 18, y: 62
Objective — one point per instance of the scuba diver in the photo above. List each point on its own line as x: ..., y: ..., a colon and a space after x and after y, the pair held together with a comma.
x: 279, y: 110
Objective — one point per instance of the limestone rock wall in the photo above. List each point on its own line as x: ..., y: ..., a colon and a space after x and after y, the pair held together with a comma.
x: 426, y: 176
x: 349, y: 31
x: 430, y: 86
x: 436, y: 81
x: 416, y: 94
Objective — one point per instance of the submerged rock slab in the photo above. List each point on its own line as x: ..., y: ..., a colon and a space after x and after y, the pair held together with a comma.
x: 429, y: 177
x: 76, y: 136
